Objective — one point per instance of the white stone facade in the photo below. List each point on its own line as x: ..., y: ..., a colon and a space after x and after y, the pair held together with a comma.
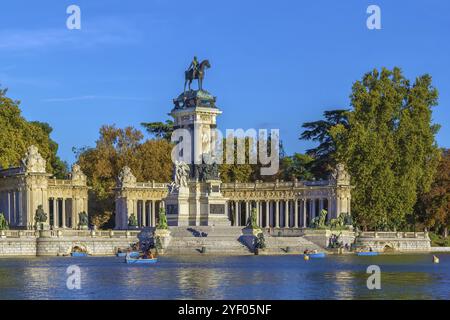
x: 23, y: 189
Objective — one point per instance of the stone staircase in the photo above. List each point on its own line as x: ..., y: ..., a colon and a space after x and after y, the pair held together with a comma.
x: 277, y: 245
x: 219, y: 240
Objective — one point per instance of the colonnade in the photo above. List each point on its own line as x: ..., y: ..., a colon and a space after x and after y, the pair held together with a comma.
x: 63, y: 212
x: 146, y: 211
x: 288, y: 213
x: 10, y: 206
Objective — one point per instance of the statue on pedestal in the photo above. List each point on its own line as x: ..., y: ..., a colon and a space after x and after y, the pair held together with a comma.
x: 83, y: 220
x: 208, y: 170
x: 33, y: 161
x: 126, y: 178
x: 40, y: 218
x: 196, y: 71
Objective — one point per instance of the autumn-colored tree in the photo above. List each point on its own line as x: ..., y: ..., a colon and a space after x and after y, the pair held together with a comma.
x: 17, y: 134
x: 436, y: 202
x: 116, y: 148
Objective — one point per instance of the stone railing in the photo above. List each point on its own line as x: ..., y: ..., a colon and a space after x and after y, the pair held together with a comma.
x: 152, y: 185
x: 272, y: 185
x: 17, y: 233
x: 59, y: 182
x: 67, y: 233
x: 392, y: 234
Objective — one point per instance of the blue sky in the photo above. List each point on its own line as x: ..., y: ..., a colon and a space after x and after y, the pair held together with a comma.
x: 275, y: 64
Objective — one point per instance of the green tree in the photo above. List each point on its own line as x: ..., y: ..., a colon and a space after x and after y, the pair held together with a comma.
x: 17, y: 134
x: 160, y: 130
x: 297, y: 166
x: 389, y: 146
x: 319, y: 131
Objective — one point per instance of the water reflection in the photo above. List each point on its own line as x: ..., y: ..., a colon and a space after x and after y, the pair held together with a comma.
x: 250, y: 277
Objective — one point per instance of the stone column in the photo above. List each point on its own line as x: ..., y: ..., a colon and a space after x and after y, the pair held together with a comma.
x: 227, y: 210
x: 304, y: 213
x: 55, y: 212
x: 267, y: 224
x: 20, y: 208
x: 258, y: 217
x: 338, y: 206
x: 295, y: 213
x: 277, y: 217
x: 153, y: 213
x: 349, y: 202
x: 235, y: 213
x: 135, y: 208
x: 63, y: 224
x: 197, y: 136
x: 14, y: 207
x: 247, y: 211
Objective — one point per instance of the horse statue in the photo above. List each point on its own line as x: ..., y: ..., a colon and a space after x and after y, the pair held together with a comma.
x: 189, y: 75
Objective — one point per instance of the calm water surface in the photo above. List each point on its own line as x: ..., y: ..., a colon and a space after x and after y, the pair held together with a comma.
x: 247, y: 277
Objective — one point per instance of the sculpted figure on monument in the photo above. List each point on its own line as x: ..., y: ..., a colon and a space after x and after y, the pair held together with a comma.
x: 340, y: 175
x: 83, y: 218
x: 195, y: 71
x: 180, y: 176
x: 126, y: 178
x: 33, y: 161
x: 40, y: 217
x: 77, y: 175
x: 208, y: 170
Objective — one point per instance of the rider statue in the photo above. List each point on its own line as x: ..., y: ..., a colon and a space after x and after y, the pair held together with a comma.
x: 194, y: 67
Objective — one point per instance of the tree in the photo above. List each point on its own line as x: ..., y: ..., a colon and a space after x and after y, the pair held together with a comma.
x: 388, y: 146
x: 436, y: 202
x: 297, y: 166
x: 17, y: 134
x: 116, y: 148
x: 324, y: 154
x: 159, y: 130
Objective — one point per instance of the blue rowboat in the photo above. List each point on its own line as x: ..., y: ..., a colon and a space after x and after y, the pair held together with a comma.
x: 367, y: 253
x: 316, y: 255
x: 79, y: 254
x: 132, y: 254
x: 140, y: 261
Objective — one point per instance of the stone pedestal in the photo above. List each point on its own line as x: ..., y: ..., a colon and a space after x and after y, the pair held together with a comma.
x: 202, y: 204
x: 164, y: 237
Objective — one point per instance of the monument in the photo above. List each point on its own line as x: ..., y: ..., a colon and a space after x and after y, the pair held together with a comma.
x: 195, y: 197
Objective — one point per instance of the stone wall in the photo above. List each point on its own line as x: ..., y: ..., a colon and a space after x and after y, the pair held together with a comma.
x: 54, y: 243
x: 18, y: 247
x: 394, y: 241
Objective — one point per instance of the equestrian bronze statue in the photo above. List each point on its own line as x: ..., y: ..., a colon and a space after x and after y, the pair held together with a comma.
x: 196, y: 71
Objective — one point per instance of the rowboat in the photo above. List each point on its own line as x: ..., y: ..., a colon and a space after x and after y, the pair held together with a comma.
x: 130, y: 260
x: 367, y: 253
x: 133, y: 254
x: 316, y: 255
x: 79, y: 254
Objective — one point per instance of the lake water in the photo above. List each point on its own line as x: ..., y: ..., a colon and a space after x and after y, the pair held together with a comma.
x: 246, y: 277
